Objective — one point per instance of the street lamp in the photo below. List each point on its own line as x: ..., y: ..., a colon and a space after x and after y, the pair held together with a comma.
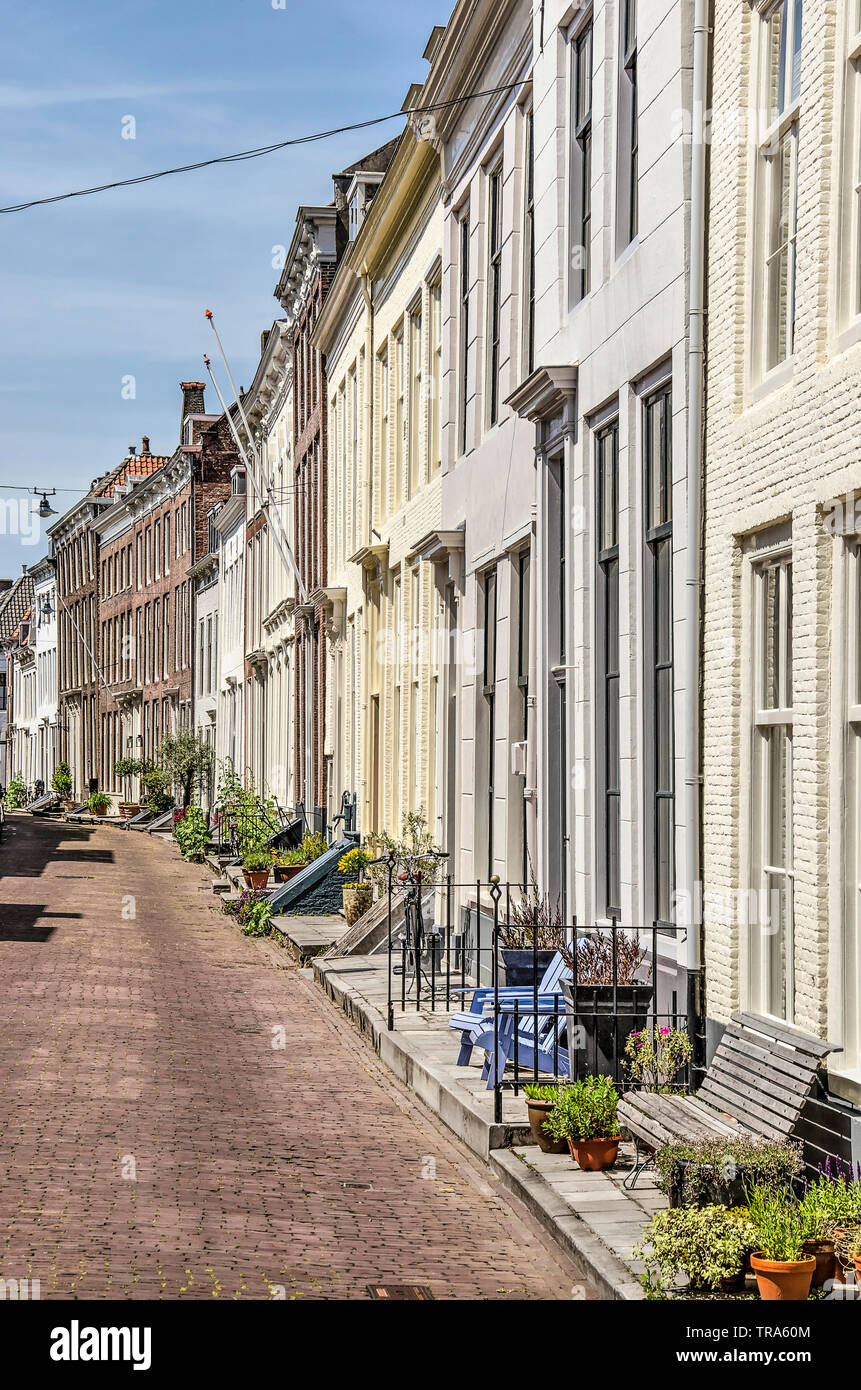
x: 45, y: 508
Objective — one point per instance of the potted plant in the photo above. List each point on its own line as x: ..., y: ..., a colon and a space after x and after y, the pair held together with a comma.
x: 155, y: 787
x: 255, y: 867
x: 98, y: 803
x: 709, y: 1245
x: 783, y: 1271
x: 600, y: 1013
x: 61, y: 782
x: 585, y: 1115
x: 359, y: 894
x: 718, y: 1172
x: 540, y: 1100
x: 287, y: 863
x: 191, y: 833
x: 530, y: 938
x: 656, y: 1055
x: 833, y: 1201
x: 124, y: 770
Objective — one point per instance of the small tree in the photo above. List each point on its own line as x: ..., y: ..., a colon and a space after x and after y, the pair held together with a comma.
x: 188, y: 761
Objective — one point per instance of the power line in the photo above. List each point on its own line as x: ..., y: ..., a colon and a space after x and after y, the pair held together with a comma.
x: 262, y: 149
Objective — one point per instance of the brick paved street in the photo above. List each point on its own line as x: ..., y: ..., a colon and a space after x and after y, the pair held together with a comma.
x: 154, y: 1143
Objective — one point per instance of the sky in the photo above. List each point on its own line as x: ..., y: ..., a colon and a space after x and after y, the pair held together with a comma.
x: 102, y: 289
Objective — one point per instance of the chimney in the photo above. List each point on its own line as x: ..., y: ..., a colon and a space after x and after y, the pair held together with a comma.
x: 192, y: 400
x: 145, y: 444
x: 132, y: 450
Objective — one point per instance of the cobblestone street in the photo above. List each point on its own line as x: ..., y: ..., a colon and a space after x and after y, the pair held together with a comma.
x: 180, y: 1118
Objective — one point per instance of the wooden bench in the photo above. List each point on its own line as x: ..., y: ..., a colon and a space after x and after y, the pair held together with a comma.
x: 760, y: 1077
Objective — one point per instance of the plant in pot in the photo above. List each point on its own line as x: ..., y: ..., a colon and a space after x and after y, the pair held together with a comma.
x: 599, y: 1011
x: 125, y: 769
x: 155, y: 788
x: 718, y: 1172
x: 98, y: 803
x: 359, y: 894
x: 61, y: 782
x: 255, y: 867
x: 191, y: 833
x: 709, y: 1245
x: 656, y: 1055
x: 783, y: 1271
x: 287, y: 863
x: 540, y: 1100
x: 530, y: 938
x: 833, y: 1202
x: 585, y: 1116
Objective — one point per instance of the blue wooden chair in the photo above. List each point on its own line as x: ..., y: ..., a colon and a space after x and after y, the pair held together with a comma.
x: 472, y: 1022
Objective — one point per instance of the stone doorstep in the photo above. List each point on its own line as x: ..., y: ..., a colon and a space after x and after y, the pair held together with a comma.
x: 551, y: 1191
x: 305, y: 938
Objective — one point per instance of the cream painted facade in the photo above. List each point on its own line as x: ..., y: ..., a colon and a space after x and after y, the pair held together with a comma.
x: 782, y: 713
x: 381, y: 330
x: 229, y: 728
x: 269, y: 578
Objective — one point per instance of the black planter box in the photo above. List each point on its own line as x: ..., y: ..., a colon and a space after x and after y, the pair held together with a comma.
x: 520, y: 965
x: 594, y: 1014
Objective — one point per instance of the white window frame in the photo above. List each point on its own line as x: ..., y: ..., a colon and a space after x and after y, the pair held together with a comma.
x: 764, y: 718
x: 851, y: 935
x: 775, y: 129
x: 850, y: 177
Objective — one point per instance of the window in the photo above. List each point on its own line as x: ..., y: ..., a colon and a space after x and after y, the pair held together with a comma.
x: 851, y: 211
x: 157, y: 548
x: 581, y: 165
x: 851, y: 963
x: 434, y: 428
x: 167, y: 543
x: 415, y: 400
x: 609, y: 758
x: 463, y: 369
x: 489, y: 693
x: 627, y: 173
x: 772, y: 944
x: 529, y: 242
x: 354, y: 453
x: 494, y: 258
x: 400, y: 415
x: 657, y: 432
x: 773, y: 314
x: 148, y: 553
x: 382, y: 492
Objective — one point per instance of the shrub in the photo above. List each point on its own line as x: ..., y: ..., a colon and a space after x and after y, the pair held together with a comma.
x: 191, y: 832
x: 538, y: 1092
x: 256, y: 918
x: 708, y: 1244
x: 16, y: 793
x: 313, y: 845
x: 256, y: 860
x: 656, y: 1054
x: 532, y: 922
x: 187, y: 760
x: 698, y: 1167
x: 155, y: 789
x: 61, y: 781
x: 283, y: 857
x: 834, y: 1198
x: 98, y: 802
x: 585, y: 1110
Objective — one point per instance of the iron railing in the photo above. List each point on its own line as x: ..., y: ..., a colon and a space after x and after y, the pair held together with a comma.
x: 446, y: 940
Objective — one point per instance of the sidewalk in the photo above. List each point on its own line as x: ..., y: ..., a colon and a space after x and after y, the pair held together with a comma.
x: 590, y: 1214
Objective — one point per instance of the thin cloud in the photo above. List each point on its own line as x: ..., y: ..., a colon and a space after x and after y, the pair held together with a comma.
x: 14, y: 97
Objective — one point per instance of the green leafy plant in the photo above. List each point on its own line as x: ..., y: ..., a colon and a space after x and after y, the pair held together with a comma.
x: 187, y: 759
x: 585, y: 1110
x: 256, y: 860
x: 61, y: 781
x: 708, y: 1244
x: 833, y: 1198
x: 16, y: 793
x: 354, y: 862
x: 655, y: 1055
x: 781, y: 1223
x: 155, y: 789
x: 97, y: 802
x: 191, y: 833
x: 284, y: 857
x: 539, y: 1092
x: 313, y: 846
x: 702, y: 1168
x: 256, y: 918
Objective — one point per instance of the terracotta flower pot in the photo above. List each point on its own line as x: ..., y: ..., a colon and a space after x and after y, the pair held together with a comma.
x: 825, y: 1255
x: 787, y: 1281
x: 100, y: 811
x: 256, y: 878
x: 128, y: 809
x: 538, y: 1111
x: 594, y: 1155
x: 284, y: 872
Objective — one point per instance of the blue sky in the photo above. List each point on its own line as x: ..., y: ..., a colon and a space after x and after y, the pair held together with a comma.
x: 101, y: 288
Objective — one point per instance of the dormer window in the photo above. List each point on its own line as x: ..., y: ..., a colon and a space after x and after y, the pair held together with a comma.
x: 360, y: 195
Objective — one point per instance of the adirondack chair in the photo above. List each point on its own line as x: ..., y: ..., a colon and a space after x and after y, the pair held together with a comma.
x: 529, y: 1038
x: 760, y: 1078
x: 472, y: 1022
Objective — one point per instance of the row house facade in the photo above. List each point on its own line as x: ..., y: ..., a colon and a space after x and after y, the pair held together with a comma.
x: 229, y: 525
x: 16, y: 596
x: 380, y: 331
x: 782, y: 657
x: 148, y: 540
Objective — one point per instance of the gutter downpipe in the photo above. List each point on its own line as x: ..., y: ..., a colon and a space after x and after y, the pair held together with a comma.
x: 693, y: 949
